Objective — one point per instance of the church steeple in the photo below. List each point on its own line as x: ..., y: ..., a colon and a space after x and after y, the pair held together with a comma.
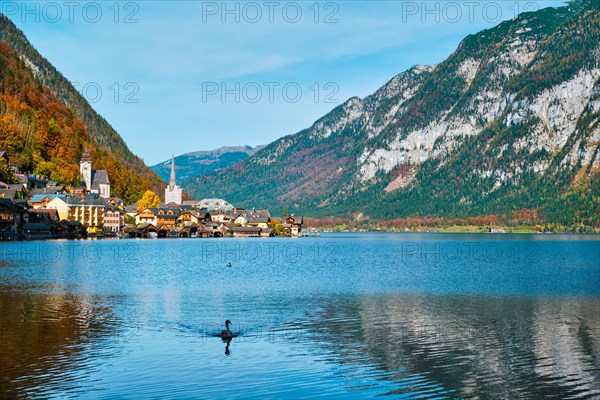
x: 173, y: 193
x: 172, y: 182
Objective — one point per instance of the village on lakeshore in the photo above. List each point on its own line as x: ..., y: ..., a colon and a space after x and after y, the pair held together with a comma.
x: 36, y: 208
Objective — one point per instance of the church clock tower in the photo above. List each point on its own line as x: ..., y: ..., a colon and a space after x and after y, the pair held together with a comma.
x: 85, y: 170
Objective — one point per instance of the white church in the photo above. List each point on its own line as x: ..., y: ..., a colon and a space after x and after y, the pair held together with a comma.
x: 173, y: 193
x: 95, y: 181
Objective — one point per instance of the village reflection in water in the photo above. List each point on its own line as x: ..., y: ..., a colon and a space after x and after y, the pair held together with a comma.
x: 49, y: 341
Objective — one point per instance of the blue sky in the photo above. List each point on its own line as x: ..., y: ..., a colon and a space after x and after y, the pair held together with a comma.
x: 183, y: 76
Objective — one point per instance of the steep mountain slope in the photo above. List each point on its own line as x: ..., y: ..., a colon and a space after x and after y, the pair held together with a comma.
x: 203, y: 162
x: 42, y: 135
x: 509, y: 121
x: 100, y: 131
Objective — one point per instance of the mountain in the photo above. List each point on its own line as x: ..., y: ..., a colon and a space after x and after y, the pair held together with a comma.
x: 509, y: 121
x: 35, y: 71
x: 203, y: 162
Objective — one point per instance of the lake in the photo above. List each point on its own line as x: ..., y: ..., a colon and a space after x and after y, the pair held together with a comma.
x: 400, y: 315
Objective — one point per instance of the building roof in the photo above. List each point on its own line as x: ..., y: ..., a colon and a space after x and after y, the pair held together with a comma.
x: 232, y: 214
x: 111, y: 208
x: 294, y: 219
x: 13, y: 205
x: 260, y: 213
x: 47, y: 190
x: 145, y: 226
x: 31, y: 181
x: 131, y: 208
x: 214, y: 204
x: 99, y: 177
x: 86, y: 201
x: 166, y: 211
x: 258, y: 220
x: 37, y: 198
x: 8, y: 193
x: 115, y: 200
x: 52, y: 213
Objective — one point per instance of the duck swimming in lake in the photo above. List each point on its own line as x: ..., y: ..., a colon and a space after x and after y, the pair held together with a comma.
x: 226, y: 333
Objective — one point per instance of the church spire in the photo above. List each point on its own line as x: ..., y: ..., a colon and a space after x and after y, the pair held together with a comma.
x: 172, y: 182
x: 173, y: 193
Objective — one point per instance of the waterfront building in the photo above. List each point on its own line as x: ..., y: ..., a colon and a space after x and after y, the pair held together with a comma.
x: 146, y: 216
x: 260, y: 222
x: 88, y: 211
x: 167, y: 216
x: 113, y: 218
x: 293, y: 225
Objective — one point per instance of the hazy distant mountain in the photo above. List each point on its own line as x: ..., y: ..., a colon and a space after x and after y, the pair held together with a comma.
x: 199, y: 163
x: 511, y: 120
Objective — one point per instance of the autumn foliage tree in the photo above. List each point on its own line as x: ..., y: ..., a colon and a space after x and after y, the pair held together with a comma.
x: 6, y: 175
x: 148, y: 200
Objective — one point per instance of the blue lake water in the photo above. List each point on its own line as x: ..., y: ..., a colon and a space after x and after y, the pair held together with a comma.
x: 344, y: 315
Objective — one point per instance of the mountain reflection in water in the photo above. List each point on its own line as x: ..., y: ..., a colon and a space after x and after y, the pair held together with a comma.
x: 344, y: 316
x: 462, y: 346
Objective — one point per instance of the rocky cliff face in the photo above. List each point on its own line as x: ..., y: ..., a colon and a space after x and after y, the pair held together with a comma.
x: 510, y: 120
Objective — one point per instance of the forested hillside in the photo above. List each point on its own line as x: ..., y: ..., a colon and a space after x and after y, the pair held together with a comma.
x: 101, y: 135
x: 43, y: 136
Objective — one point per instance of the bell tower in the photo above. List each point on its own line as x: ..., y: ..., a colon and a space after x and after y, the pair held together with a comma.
x: 85, y: 170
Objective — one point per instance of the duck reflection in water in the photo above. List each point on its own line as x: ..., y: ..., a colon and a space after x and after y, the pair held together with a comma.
x: 228, y: 342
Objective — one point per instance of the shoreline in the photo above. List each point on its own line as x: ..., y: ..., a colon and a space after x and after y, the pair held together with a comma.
x: 431, y: 232
x: 460, y: 229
